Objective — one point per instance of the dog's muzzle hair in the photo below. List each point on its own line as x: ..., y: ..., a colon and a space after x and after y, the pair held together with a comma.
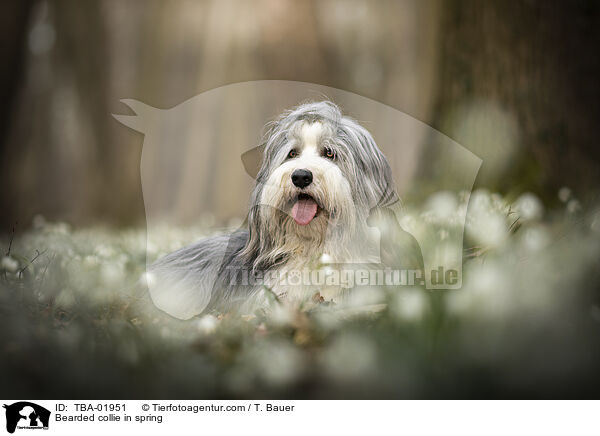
x: 322, y: 177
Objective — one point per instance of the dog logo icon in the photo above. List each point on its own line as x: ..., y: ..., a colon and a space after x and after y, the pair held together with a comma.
x: 325, y: 176
x: 26, y: 415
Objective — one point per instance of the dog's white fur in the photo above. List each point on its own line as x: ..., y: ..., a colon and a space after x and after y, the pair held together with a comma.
x: 347, y: 189
x: 308, y: 243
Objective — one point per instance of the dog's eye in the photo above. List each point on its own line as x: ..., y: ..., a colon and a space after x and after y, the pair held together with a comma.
x: 292, y: 154
x: 329, y: 153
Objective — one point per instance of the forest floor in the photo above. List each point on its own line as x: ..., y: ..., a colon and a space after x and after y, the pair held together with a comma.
x: 74, y: 321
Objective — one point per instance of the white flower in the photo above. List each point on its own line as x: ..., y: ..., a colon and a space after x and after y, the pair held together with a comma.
x: 90, y: 261
x: 207, y: 324
x: 564, y: 194
x: 573, y: 206
x: 112, y: 273
x: 488, y: 229
x: 66, y: 298
x: 442, y: 204
x: 278, y: 362
x: 350, y: 357
x: 488, y: 292
x: 480, y: 202
x: 105, y: 251
x: 535, y: 238
x: 10, y: 264
x: 282, y: 315
x: 39, y: 221
x: 327, y: 319
x: 326, y: 258
x: 409, y: 306
x: 529, y: 207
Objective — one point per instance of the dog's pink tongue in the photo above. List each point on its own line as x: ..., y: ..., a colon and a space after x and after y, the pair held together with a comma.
x: 304, y: 210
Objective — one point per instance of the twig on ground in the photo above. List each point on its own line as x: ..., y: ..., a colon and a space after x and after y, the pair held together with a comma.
x: 22, y: 270
x: 12, y: 236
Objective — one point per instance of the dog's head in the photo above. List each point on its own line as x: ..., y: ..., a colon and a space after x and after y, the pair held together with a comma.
x: 320, y: 177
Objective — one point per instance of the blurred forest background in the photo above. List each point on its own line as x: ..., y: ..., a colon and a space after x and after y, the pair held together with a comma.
x: 516, y: 83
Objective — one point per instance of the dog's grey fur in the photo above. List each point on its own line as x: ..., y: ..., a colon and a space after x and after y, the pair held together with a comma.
x: 205, y: 275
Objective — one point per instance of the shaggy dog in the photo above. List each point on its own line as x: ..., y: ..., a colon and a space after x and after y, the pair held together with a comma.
x: 322, y: 186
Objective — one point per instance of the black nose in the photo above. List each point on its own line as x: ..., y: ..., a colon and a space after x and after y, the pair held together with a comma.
x: 301, y: 178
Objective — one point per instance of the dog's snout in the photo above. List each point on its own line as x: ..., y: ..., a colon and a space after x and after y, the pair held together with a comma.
x: 302, y: 178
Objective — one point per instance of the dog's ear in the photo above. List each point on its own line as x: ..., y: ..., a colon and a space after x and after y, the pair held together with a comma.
x: 252, y: 160
x: 374, y: 166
